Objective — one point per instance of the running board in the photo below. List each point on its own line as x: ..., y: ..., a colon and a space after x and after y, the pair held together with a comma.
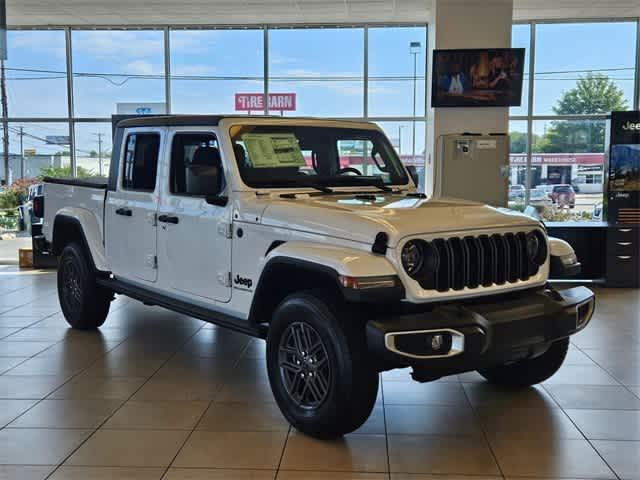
x: 201, y: 313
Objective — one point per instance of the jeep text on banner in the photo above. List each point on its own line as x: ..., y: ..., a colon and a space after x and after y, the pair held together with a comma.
x: 246, y: 102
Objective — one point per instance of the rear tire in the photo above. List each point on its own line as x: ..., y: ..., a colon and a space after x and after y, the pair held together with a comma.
x: 525, y: 373
x: 84, y: 303
x: 318, y: 367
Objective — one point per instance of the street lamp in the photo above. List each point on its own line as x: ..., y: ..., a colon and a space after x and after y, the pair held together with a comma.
x: 400, y: 127
x: 414, y: 49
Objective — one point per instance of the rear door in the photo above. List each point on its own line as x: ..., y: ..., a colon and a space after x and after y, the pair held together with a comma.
x: 131, y: 210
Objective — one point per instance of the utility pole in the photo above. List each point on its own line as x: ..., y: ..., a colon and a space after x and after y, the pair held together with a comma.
x: 99, y: 135
x: 414, y: 49
x: 21, y: 151
x: 5, y: 122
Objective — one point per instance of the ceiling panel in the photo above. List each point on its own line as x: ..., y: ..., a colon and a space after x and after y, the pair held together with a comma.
x: 222, y: 12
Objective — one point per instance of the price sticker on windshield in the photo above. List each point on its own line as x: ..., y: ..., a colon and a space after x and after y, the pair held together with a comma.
x: 273, y: 150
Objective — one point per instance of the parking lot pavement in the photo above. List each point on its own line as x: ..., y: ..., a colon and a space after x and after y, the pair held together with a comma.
x: 9, y: 249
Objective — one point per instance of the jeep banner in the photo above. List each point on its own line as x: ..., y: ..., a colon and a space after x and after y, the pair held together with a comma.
x: 279, y: 102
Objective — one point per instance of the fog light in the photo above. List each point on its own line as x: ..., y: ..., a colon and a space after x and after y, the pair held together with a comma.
x: 425, y: 343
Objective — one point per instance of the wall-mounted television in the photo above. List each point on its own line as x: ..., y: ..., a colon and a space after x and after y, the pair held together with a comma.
x: 483, y: 77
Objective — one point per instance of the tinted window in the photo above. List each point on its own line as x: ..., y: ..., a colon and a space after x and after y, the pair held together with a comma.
x: 141, y: 161
x: 195, y: 165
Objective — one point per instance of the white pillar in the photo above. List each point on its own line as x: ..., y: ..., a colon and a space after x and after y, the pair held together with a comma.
x: 461, y: 24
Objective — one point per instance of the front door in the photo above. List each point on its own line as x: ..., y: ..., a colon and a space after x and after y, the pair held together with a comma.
x: 194, y: 244
x: 130, y: 211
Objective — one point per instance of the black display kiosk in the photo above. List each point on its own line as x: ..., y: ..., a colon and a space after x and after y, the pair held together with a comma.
x: 623, y: 201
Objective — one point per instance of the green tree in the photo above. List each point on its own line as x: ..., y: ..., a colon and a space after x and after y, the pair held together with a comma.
x: 518, y: 142
x: 593, y: 94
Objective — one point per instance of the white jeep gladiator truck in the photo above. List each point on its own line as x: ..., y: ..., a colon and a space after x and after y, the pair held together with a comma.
x: 310, y: 234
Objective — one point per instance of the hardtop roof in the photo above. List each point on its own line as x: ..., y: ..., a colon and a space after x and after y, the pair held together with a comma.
x: 208, y: 120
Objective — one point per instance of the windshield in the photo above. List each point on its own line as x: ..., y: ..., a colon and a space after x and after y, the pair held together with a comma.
x: 537, y: 194
x: 274, y: 156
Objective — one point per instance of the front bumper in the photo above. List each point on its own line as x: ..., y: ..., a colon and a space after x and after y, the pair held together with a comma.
x: 480, y: 333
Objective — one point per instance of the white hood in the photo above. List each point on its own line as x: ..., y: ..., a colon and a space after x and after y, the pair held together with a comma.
x: 357, y: 218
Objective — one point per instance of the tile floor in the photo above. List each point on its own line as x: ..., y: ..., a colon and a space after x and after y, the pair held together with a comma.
x: 158, y: 395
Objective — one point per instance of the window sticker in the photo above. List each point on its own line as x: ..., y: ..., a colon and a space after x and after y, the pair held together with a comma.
x: 272, y: 150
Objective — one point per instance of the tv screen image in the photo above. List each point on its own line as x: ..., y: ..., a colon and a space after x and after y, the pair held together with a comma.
x: 477, y: 77
x: 624, y: 168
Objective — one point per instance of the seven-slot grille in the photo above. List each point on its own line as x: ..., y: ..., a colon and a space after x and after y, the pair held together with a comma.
x: 459, y: 262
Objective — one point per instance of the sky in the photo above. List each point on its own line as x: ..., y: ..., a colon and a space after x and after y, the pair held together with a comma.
x: 324, y: 67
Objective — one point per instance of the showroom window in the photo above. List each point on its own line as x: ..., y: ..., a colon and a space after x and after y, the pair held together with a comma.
x: 345, y: 71
x: 93, y: 145
x: 211, y: 68
x: 397, y: 64
x: 38, y: 149
x: 580, y: 74
x: 117, y: 71
x: 323, y: 67
x: 36, y: 73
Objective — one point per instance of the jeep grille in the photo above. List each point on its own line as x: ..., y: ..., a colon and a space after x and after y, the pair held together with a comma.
x: 472, y: 262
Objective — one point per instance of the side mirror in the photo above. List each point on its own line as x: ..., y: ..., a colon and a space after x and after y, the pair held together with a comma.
x: 217, y: 200
x: 413, y: 171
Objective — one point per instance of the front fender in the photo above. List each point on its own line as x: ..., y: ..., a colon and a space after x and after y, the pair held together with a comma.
x: 344, y: 261
x: 90, y: 229
x: 563, y: 260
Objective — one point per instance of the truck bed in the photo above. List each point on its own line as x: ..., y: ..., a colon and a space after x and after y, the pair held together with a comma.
x: 74, y: 197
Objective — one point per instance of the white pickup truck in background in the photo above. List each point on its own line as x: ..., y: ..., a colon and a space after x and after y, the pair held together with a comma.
x: 262, y: 226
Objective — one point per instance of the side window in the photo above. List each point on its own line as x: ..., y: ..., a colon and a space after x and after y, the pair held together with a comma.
x: 196, y: 166
x: 141, y: 161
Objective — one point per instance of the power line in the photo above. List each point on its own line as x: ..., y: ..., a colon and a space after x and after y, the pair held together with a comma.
x: 126, y: 77
x: 35, y: 137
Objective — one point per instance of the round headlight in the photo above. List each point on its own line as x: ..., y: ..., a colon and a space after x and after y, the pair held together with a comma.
x: 536, y: 247
x: 412, y: 257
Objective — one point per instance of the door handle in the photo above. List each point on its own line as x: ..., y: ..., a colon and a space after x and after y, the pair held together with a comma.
x: 124, y: 211
x: 168, y: 219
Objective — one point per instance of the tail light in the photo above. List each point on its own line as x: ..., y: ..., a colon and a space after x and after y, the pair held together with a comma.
x: 38, y: 206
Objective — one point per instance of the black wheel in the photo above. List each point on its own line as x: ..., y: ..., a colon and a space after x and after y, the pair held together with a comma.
x: 530, y: 371
x: 318, y: 367
x: 85, y: 304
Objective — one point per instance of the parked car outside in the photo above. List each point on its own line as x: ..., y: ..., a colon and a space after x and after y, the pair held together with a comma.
x: 538, y: 197
x: 516, y: 192
x: 563, y: 195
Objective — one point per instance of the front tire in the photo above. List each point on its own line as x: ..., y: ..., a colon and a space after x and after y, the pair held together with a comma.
x: 525, y: 373
x: 318, y: 367
x: 84, y: 303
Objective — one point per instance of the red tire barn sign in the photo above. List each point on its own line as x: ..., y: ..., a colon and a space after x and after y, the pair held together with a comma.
x: 282, y: 102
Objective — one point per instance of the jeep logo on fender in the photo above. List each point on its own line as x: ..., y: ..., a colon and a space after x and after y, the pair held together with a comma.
x: 244, y: 282
x: 631, y: 126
